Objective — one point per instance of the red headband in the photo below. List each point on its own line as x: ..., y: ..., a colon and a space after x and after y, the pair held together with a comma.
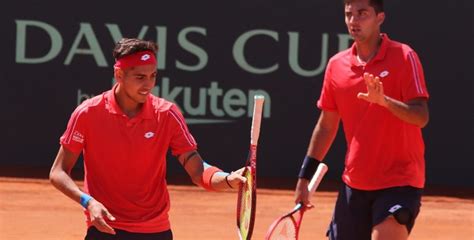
x: 136, y: 59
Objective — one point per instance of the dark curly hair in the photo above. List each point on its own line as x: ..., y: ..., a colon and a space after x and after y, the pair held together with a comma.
x: 127, y: 46
x: 376, y: 4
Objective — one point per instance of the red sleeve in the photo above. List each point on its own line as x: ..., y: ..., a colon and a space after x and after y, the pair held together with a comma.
x: 73, y: 139
x: 326, y: 100
x: 182, y: 140
x: 413, y: 84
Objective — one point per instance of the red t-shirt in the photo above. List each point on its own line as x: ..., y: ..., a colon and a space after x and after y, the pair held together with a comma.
x: 125, y: 159
x: 382, y: 150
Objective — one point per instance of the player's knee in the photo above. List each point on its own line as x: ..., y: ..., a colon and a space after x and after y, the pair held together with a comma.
x: 403, y: 216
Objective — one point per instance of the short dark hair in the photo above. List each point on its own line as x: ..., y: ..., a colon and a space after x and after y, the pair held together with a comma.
x: 127, y: 46
x: 376, y: 4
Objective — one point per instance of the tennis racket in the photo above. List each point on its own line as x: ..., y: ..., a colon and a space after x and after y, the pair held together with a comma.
x: 287, y: 226
x: 247, y: 197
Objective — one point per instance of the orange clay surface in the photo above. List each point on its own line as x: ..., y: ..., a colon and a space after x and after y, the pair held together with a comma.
x: 33, y: 209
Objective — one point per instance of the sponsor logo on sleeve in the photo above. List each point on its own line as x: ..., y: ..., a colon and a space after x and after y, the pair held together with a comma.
x: 78, y: 137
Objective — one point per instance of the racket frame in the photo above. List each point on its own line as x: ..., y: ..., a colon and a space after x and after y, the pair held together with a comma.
x: 251, y: 168
x: 300, y: 207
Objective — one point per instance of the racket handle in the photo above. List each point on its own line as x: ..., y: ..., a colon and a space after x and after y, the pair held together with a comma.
x: 317, y: 177
x: 256, y: 119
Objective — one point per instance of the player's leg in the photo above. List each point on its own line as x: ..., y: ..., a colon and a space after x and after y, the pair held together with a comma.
x: 389, y: 229
x: 352, y: 218
x: 394, y: 212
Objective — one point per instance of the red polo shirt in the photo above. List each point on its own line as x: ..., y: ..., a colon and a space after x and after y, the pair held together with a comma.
x: 382, y: 150
x: 125, y: 158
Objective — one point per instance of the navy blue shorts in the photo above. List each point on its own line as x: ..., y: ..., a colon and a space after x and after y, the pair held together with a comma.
x: 357, y: 211
x: 94, y: 234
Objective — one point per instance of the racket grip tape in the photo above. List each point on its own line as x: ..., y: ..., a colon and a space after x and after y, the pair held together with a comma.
x: 318, y: 176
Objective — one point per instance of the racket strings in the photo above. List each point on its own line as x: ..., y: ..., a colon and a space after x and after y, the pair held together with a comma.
x: 246, y: 206
x: 284, y: 230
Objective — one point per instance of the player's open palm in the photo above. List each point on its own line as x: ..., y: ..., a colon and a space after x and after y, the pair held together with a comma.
x: 97, y: 213
x: 374, y: 92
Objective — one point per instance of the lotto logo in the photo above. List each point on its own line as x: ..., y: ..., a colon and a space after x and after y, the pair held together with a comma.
x: 395, y: 208
x: 384, y: 74
x: 149, y: 135
x: 145, y: 57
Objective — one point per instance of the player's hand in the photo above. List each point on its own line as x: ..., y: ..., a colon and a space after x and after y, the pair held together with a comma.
x: 302, y: 194
x: 235, y: 178
x: 375, y: 92
x: 97, y: 213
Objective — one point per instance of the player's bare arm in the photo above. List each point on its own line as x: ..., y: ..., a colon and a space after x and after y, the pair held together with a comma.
x: 60, y: 174
x: 323, y: 135
x: 60, y: 177
x: 414, y: 111
x: 196, y: 167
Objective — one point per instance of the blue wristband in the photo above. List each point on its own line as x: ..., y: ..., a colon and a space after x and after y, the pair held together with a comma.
x: 85, y: 199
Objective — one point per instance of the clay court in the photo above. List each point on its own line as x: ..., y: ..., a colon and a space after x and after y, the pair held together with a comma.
x: 33, y: 209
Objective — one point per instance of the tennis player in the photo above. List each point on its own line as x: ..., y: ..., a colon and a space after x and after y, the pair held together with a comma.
x: 377, y: 88
x: 124, y: 135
